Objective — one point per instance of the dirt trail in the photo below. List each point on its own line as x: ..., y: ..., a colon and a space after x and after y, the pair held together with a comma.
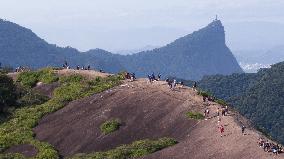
x: 147, y: 111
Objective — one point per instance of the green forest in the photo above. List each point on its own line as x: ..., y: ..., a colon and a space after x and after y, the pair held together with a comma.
x: 258, y: 96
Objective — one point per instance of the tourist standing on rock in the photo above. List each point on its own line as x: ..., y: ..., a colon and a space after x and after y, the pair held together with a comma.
x: 169, y: 83
x: 206, y: 114
x: 78, y: 67
x: 204, y: 99
x: 243, y: 130
x: 223, y: 111
x: 153, y: 76
x: 150, y: 78
x: 174, y: 84
x: 159, y: 77
x: 89, y: 67
x: 218, y: 120
x: 218, y: 111
x: 226, y: 110
x: 132, y: 78
x: 194, y: 87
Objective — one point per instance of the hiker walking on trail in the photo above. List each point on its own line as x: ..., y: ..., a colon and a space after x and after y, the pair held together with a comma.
x: 243, y: 130
x: 221, y: 129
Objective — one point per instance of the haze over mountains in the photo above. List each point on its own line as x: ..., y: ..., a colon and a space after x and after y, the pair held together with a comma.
x: 203, y: 52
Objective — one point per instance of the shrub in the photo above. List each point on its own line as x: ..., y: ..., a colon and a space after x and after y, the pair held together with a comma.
x: 7, y: 92
x: 30, y: 78
x: 47, y: 76
x: 12, y: 156
x: 194, y: 115
x: 32, y: 98
x: 71, y: 79
x: 110, y: 126
x: 204, y: 94
x: 221, y: 102
x: 134, y: 150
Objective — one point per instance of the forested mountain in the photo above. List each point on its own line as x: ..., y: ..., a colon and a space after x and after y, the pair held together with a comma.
x: 203, y: 52
x: 258, y: 96
x: 21, y: 47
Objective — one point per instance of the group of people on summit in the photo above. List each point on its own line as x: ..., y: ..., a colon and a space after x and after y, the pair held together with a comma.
x: 78, y: 67
x: 270, y: 147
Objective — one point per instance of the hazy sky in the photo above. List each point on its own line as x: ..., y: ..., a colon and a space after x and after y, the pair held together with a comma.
x: 128, y: 24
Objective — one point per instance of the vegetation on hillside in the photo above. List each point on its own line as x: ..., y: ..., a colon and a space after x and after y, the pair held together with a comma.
x: 195, y: 115
x: 18, y: 129
x: 257, y: 96
x: 31, y: 78
x: 8, y: 94
x: 135, y: 150
x: 110, y: 126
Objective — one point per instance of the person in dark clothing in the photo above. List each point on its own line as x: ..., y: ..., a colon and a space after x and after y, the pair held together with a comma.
x: 89, y: 67
x: 153, y: 76
x: 78, y: 67
x: 204, y: 99
x: 133, y: 77
x: 159, y: 76
x: 243, y: 130
x: 169, y: 83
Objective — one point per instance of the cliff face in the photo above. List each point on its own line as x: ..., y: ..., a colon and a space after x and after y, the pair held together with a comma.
x: 203, y: 52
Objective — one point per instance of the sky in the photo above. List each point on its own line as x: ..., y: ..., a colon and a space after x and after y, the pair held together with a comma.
x: 117, y: 25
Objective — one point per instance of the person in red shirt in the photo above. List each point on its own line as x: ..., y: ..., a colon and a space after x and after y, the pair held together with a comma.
x: 221, y: 128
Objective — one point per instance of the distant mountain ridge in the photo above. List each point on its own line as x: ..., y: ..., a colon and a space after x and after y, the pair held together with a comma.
x: 203, y: 52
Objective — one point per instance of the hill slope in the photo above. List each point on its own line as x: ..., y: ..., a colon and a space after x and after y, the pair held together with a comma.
x: 148, y: 111
x: 258, y: 96
x: 203, y: 52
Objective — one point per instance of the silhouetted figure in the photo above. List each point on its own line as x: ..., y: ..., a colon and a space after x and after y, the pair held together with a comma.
x: 159, y: 76
x: 243, y: 130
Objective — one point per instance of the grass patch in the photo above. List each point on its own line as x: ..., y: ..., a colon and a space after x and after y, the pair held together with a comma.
x: 32, y: 98
x: 221, y: 102
x: 30, y: 78
x: 195, y: 115
x: 110, y: 126
x: 18, y: 129
x: 204, y: 93
x: 134, y: 150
